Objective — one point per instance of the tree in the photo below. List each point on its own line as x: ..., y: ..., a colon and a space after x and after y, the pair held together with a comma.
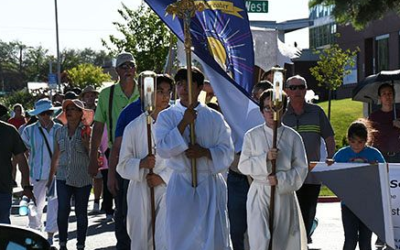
x: 21, y: 96
x: 36, y: 64
x: 359, y: 12
x: 87, y: 74
x: 144, y: 35
x: 331, y: 68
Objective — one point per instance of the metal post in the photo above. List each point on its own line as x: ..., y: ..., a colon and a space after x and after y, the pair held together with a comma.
x: 58, y: 50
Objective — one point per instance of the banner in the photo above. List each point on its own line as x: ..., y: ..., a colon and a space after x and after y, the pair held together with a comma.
x: 364, y: 188
x: 222, y: 41
x: 394, y: 178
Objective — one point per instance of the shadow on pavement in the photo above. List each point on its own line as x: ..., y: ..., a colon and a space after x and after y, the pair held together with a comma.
x: 96, y: 226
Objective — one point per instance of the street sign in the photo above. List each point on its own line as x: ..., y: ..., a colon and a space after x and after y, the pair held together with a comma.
x: 257, y: 6
x: 52, y: 81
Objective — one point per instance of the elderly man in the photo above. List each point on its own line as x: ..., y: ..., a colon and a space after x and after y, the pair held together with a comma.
x: 39, y: 139
x: 311, y: 123
x: 110, y: 104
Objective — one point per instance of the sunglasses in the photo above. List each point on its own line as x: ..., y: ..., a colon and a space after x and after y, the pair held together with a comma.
x: 49, y: 113
x: 127, y: 66
x: 294, y: 87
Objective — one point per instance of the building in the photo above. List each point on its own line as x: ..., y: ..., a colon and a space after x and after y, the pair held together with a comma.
x: 379, y: 45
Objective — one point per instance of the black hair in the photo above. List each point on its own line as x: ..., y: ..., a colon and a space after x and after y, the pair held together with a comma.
x: 268, y: 93
x: 362, y: 129
x: 263, y: 84
x: 165, y: 78
x: 214, y: 106
x: 197, y: 75
x: 385, y: 85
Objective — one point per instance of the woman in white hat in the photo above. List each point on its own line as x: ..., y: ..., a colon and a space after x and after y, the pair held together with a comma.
x: 71, y: 161
x: 38, y: 138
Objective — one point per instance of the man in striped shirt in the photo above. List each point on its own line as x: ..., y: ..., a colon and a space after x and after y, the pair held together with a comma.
x: 311, y: 123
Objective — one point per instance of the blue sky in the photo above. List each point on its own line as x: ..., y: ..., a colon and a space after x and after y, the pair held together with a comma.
x: 83, y: 23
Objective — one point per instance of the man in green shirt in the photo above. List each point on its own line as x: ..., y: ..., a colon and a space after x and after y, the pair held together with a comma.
x: 114, y: 99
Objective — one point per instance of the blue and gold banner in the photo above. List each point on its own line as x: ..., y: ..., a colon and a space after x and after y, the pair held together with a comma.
x: 223, y: 44
x: 221, y: 37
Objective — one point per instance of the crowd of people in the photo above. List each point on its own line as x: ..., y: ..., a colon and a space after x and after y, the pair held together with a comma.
x: 142, y: 162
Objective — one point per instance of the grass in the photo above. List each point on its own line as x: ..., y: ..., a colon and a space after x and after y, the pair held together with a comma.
x: 325, y: 191
x: 343, y: 113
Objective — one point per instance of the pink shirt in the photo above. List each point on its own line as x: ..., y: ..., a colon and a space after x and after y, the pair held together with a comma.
x: 103, y: 148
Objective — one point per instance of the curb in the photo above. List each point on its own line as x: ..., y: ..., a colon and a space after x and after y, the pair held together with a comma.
x: 326, y: 199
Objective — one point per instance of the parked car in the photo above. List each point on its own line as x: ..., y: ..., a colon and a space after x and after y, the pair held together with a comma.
x: 19, y: 238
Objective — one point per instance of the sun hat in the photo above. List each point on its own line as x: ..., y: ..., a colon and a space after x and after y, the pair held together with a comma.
x: 123, y: 58
x: 41, y: 106
x: 88, y: 89
x: 88, y: 114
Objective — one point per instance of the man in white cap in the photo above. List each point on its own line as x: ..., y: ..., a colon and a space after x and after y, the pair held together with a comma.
x: 110, y: 104
x: 39, y: 139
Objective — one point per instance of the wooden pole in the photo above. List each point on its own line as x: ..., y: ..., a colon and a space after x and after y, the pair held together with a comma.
x: 149, y: 90
x: 273, y: 188
x: 152, y: 198
x: 186, y: 9
x: 277, y: 106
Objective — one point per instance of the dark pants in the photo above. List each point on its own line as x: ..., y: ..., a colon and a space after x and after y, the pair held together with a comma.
x: 308, y: 199
x: 81, y: 194
x: 107, y: 204
x: 355, y: 231
x: 238, y: 187
x: 5, y: 208
x: 123, y: 240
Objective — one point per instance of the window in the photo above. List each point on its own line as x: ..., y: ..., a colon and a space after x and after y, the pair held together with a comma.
x: 382, y: 53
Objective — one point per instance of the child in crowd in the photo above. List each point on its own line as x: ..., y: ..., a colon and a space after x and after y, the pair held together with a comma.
x: 359, y: 150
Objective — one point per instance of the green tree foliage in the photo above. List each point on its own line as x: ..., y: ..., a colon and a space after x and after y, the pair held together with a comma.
x: 20, y: 63
x: 21, y: 96
x: 144, y: 35
x: 87, y: 74
x: 71, y: 58
x: 331, y: 68
x: 359, y: 12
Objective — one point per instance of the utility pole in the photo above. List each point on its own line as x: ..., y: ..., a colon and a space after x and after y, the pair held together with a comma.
x: 58, y: 50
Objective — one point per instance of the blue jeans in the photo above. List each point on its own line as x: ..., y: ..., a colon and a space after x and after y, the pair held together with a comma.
x: 355, y: 231
x: 5, y: 208
x: 123, y: 240
x: 238, y: 187
x: 81, y: 195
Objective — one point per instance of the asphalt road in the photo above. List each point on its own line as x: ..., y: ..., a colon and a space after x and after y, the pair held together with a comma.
x: 327, y: 236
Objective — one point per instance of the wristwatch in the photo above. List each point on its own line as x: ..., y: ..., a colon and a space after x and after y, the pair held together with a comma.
x: 30, y: 187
